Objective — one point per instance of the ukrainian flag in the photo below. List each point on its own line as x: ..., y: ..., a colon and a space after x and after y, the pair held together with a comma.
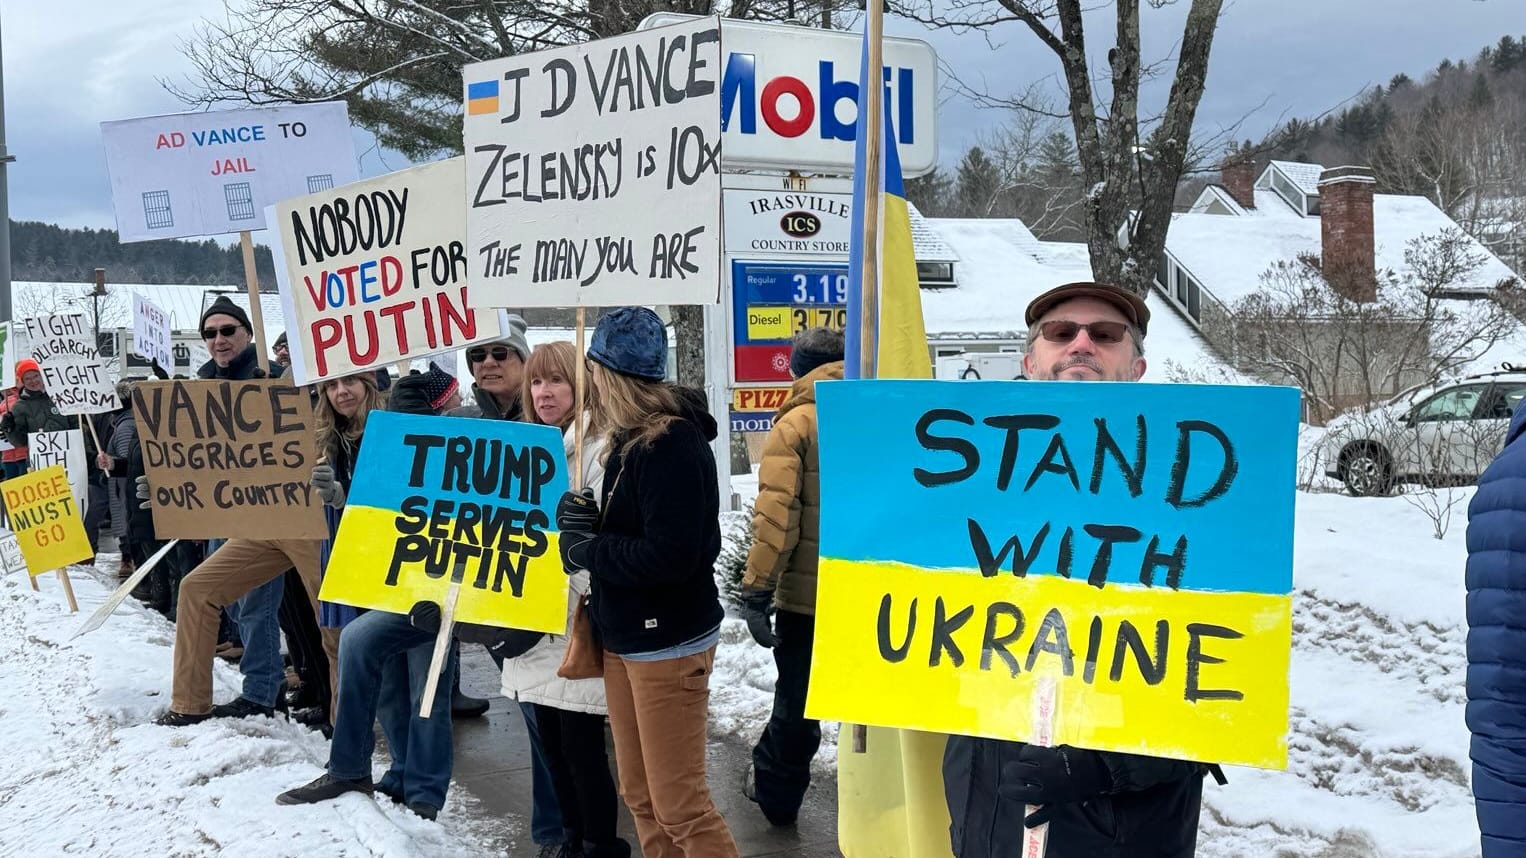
x: 890, y: 798
x: 482, y: 97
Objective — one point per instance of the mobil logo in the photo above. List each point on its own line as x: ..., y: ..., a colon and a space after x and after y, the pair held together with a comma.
x: 790, y: 107
x: 789, y: 97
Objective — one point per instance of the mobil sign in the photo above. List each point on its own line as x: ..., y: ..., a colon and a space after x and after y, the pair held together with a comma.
x: 789, y: 97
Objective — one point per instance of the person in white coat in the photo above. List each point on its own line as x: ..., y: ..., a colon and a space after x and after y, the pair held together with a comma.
x: 569, y: 712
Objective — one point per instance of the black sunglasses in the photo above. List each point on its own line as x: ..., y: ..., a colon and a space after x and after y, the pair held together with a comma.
x: 226, y: 330
x: 478, y: 354
x: 1101, y: 333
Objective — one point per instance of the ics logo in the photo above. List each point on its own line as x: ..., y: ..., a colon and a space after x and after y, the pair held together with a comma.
x: 800, y: 224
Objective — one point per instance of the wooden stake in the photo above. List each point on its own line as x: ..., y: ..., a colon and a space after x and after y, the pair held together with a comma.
x: 580, y: 373
x: 874, y: 125
x: 1045, y: 698
x: 256, y: 310
x: 90, y: 425
x: 441, y: 648
x: 63, y: 576
x: 33, y: 578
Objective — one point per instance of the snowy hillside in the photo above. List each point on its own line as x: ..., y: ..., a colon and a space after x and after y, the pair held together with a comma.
x: 1379, y: 761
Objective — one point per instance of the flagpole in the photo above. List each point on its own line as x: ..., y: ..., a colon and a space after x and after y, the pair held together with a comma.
x: 871, y: 101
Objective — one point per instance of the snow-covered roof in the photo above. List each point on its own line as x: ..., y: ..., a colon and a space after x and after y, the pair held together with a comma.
x: 1305, y: 176
x: 1002, y: 267
x: 926, y: 244
x: 183, y: 303
x: 1228, y: 254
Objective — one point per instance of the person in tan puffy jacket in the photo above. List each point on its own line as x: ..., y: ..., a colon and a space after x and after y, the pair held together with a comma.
x: 781, y: 576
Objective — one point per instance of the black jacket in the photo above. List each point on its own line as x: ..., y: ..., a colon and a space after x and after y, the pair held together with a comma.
x: 484, y: 406
x: 408, y: 396
x: 242, y: 368
x: 127, y: 466
x: 33, y: 412
x: 1152, y: 811
x: 653, y: 561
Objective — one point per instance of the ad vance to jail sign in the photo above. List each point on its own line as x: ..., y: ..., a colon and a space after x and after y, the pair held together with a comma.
x: 438, y: 500
x: 1128, y: 545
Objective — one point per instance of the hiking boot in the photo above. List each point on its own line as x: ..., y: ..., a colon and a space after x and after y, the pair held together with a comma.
x: 424, y: 811
x: 180, y: 719
x: 241, y: 707
x: 323, y: 789
x: 750, y: 790
x: 463, y: 706
x: 390, y: 789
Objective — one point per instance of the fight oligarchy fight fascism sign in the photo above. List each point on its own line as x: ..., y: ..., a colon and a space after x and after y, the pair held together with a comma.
x: 1131, y: 543
x: 375, y: 272
x: 438, y: 500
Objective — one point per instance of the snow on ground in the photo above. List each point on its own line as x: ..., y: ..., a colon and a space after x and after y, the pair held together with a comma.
x: 89, y: 774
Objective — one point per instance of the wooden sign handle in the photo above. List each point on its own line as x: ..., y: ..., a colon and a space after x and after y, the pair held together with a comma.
x: 63, y: 577
x: 580, y: 380
x: 441, y: 649
x: 90, y: 426
x: 256, y: 309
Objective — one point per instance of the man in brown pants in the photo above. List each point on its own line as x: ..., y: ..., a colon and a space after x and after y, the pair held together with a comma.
x: 237, y: 567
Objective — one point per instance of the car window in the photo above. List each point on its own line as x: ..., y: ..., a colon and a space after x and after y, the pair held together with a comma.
x: 1502, y: 400
x: 1455, y: 404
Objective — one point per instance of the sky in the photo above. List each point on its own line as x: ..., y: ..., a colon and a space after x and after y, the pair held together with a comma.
x: 71, y: 64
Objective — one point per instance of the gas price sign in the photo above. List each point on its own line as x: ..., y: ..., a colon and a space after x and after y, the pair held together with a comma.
x: 774, y: 301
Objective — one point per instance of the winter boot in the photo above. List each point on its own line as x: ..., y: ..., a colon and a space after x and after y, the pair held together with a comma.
x: 463, y: 706
x: 323, y: 789
x: 242, y: 707
x: 180, y: 719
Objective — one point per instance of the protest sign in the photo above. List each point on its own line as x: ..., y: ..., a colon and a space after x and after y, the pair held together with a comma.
x: 151, y: 332
x: 109, y: 607
x: 190, y: 174
x: 593, y: 172
x: 65, y: 350
x: 229, y: 459
x: 442, y: 500
x: 1131, y: 543
x: 67, y: 448
x: 46, y: 519
x: 375, y: 272
x: 10, y: 552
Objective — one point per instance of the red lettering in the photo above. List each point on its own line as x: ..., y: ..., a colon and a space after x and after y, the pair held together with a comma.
x: 326, y: 335
x: 349, y: 282
x: 395, y: 313
x: 430, y: 334
x: 464, y: 317
x: 358, y: 357
x: 317, y: 294
x: 786, y: 85
x: 391, y: 275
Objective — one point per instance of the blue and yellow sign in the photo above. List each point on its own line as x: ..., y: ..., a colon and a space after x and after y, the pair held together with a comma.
x: 1131, y: 542
x: 443, y: 499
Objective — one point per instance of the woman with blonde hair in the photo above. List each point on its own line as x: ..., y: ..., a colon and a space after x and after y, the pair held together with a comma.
x: 650, y: 550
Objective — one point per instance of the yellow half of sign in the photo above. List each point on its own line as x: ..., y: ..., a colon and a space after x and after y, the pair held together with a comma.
x: 1187, y: 674
x: 367, y: 570
x: 45, y: 515
x: 890, y: 801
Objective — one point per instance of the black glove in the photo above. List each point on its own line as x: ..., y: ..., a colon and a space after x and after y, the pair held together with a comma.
x: 577, y: 511
x: 576, y: 549
x: 1057, y: 775
x: 425, y: 616
x: 758, y: 610
x: 159, y: 371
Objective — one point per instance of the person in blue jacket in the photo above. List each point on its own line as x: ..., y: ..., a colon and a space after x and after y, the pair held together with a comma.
x: 1496, y: 610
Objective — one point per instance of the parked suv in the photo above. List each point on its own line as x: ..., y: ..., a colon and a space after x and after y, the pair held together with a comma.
x: 1444, y: 434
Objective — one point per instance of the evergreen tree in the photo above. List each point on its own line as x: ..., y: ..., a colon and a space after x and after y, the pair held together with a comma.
x: 978, y: 185
x: 932, y: 194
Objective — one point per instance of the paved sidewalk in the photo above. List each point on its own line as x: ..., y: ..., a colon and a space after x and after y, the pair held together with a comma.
x: 493, y: 764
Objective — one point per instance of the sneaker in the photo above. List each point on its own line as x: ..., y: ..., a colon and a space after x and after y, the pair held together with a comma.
x: 180, y: 719
x: 323, y: 789
x: 424, y: 811
x: 242, y: 707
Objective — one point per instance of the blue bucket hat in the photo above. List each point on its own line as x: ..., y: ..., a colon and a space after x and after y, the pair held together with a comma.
x: 631, y: 341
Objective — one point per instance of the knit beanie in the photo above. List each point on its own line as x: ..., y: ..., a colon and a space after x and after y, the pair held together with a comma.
x: 24, y: 366
x: 223, y: 307
x: 803, y: 359
x: 515, y: 339
x: 438, y: 386
x: 631, y: 341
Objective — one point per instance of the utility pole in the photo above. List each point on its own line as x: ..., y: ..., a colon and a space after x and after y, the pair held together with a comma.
x: 95, y: 302
x: 5, y: 207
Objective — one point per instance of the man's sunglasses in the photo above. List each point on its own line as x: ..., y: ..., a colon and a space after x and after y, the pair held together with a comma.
x: 226, y: 330
x: 1101, y: 333
x: 478, y: 354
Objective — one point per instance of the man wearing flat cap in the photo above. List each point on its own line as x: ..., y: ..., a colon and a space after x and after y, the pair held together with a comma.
x: 1098, y: 804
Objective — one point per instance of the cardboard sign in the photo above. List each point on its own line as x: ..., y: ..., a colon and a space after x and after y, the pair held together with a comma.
x: 151, y: 332
x: 375, y: 272
x: 47, y: 521
x: 190, y: 174
x: 438, y: 500
x: 65, y: 350
x: 1131, y: 542
x: 10, y: 552
x: 66, y: 448
x: 229, y: 459
x: 593, y: 172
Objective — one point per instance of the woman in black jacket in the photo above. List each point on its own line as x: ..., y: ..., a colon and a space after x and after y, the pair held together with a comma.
x: 653, y: 601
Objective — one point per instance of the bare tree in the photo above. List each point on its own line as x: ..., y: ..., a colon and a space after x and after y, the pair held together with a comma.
x: 1298, y: 328
x: 1128, y: 157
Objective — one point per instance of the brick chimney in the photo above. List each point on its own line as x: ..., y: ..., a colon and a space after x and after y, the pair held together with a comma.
x: 1239, y: 178
x: 1345, y: 231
